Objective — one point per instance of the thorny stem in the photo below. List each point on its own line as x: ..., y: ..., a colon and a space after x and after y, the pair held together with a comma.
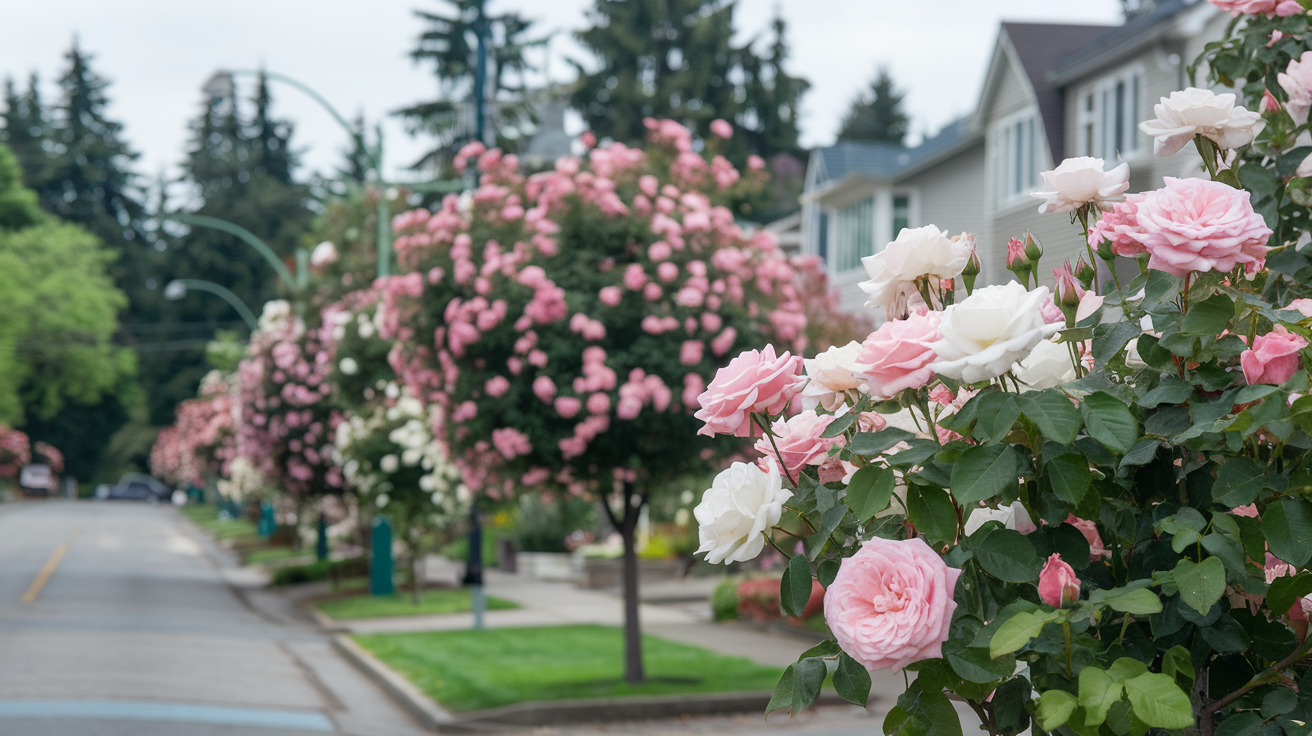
x: 803, y: 518
x: 984, y: 716
x: 1271, y: 674
x: 774, y: 544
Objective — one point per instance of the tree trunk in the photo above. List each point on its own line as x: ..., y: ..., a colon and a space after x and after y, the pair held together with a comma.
x: 627, y: 526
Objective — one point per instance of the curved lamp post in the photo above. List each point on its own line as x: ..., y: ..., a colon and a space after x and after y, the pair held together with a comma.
x: 178, y: 288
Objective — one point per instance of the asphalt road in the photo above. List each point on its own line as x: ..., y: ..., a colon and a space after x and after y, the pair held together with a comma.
x: 116, y: 618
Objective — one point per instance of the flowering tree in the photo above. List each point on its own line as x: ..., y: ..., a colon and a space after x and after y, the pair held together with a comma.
x: 15, y: 451
x: 1083, y: 511
x: 566, y: 322
x: 200, y: 441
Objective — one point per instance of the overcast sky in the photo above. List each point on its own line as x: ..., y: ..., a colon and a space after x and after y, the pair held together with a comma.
x: 158, y: 53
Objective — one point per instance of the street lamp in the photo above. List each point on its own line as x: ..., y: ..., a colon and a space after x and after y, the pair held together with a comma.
x: 177, y: 289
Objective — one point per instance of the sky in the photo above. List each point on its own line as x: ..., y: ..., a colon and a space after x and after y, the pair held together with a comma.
x: 158, y: 53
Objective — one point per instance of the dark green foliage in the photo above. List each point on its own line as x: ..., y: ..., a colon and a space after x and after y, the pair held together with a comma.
x: 876, y: 114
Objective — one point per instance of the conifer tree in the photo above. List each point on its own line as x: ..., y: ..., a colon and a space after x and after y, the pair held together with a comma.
x: 26, y: 130
x: 876, y: 114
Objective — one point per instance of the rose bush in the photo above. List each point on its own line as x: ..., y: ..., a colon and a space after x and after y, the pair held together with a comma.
x: 1106, y: 488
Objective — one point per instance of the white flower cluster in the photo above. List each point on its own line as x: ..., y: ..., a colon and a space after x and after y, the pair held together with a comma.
x: 243, y: 481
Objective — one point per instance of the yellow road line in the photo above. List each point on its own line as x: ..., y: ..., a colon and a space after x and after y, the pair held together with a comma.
x: 44, y: 576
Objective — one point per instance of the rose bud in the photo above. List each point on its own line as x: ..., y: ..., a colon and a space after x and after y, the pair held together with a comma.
x: 1058, y: 585
x: 970, y: 271
x: 1033, y: 250
x: 1085, y: 273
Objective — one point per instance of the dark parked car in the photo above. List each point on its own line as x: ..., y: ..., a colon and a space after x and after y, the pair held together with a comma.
x: 136, y: 487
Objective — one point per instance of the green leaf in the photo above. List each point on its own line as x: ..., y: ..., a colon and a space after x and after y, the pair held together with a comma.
x: 1253, y: 393
x: 1055, y: 708
x: 1238, y: 482
x: 869, y: 491
x: 983, y: 472
x: 1287, y: 525
x: 1171, y: 390
x: 871, y: 444
x: 1209, y: 317
x: 1107, y: 344
x: 1018, y: 630
x: 1007, y: 555
x: 1125, y: 668
x: 1108, y: 420
x: 1098, y: 692
x: 839, y: 425
x: 1142, y: 453
x: 1069, y: 476
x: 1201, y: 584
x: 1285, y: 591
x: 996, y: 416
x: 782, y: 697
x: 852, y: 680
x: 932, y: 513
x: 1161, y: 287
x: 1177, y: 663
x: 1159, y: 702
x: 795, y: 587
x: 829, y: 521
x: 973, y: 663
x: 1237, y: 723
x: 1134, y: 601
x: 1053, y: 413
x: 826, y: 571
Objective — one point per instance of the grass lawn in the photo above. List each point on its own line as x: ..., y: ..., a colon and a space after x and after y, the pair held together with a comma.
x: 275, y: 554
x: 401, y: 604
x: 471, y: 670
x: 207, y: 518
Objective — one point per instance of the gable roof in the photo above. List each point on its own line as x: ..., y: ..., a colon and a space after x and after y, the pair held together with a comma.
x: 1124, y: 39
x: 1039, y: 48
x: 887, y: 160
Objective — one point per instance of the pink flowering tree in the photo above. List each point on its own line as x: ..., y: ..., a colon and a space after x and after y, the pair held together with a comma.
x: 15, y: 451
x: 567, y: 321
x: 1082, y: 510
x: 197, y: 446
x: 286, y: 414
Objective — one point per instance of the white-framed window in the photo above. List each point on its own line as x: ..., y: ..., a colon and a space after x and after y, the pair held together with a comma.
x: 1018, y: 155
x: 1108, y: 113
x: 901, y: 213
x: 852, y: 229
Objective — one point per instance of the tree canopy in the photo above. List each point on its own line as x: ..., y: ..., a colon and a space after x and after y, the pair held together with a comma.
x: 876, y: 114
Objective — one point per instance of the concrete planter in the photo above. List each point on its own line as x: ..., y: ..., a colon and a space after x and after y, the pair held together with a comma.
x: 553, y: 566
x: 604, y: 572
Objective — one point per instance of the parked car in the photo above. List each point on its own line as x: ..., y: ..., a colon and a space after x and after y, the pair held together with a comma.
x: 136, y: 487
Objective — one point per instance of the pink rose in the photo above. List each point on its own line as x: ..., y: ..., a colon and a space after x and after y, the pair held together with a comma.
x: 721, y: 128
x: 1090, y: 532
x: 511, y: 442
x: 1273, y: 357
x: 1269, y: 8
x: 799, y: 441
x: 1197, y: 225
x: 898, y: 354
x: 610, y: 296
x: 891, y: 603
x: 497, y: 386
x: 544, y: 388
x: 755, y: 381
x: 1302, y: 306
x: 690, y: 352
x: 568, y: 406
x: 1058, y: 585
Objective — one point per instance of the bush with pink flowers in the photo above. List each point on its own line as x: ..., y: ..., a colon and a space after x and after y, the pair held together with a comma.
x: 15, y: 451
x: 568, y: 320
x: 1146, y: 430
x: 200, y: 442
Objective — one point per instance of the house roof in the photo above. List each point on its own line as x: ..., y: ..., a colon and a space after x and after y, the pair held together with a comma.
x: 1138, y: 31
x: 886, y: 160
x: 1040, y: 47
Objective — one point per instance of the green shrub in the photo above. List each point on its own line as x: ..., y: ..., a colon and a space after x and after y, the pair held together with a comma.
x: 321, y: 570
x: 724, y: 599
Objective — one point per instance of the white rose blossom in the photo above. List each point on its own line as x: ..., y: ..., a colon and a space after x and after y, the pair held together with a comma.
x: 1296, y: 80
x: 742, y: 503
x: 323, y: 254
x: 830, y: 375
x: 1079, y: 181
x: 1013, y: 517
x: 986, y: 333
x: 1195, y: 111
x: 349, y: 366
x: 1047, y: 366
x: 923, y: 252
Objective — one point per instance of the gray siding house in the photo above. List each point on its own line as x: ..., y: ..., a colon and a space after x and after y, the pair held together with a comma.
x: 1051, y: 92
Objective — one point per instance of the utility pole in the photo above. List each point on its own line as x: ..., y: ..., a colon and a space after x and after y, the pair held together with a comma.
x: 474, y: 568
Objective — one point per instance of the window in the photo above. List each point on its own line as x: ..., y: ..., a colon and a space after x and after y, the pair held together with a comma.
x: 1019, y: 156
x: 901, y: 214
x: 1108, y: 116
x: 854, y: 234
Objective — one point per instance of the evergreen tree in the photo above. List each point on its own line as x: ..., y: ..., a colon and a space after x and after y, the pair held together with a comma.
x: 450, y: 44
x: 26, y: 130
x: 676, y: 59
x: 876, y: 115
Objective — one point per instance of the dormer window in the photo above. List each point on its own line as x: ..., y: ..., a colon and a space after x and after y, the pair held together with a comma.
x: 1108, y: 116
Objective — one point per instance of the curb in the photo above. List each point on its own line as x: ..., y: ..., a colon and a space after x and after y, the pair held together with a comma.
x: 557, y: 712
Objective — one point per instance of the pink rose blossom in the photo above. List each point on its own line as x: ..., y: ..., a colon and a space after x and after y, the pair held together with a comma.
x: 511, y: 442
x: 544, y: 388
x: 1273, y: 357
x: 1090, y: 532
x: 659, y: 251
x: 898, y: 354
x: 1197, y: 225
x: 598, y: 403
x: 723, y: 341
x: 497, y: 386
x: 634, y: 277
x: 652, y: 291
x: 690, y: 352
x: 1269, y: 8
x: 1058, y: 585
x: 721, y: 128
x: 891, y: 603
x: 568, y: 406
x: 610, y: 296
x: 1302, y: 306
x: 799, y: 441
x: 755, y: 381
x: 667, y: 272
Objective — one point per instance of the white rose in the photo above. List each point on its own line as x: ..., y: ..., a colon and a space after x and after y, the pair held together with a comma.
x: 1080, y: 181
x: 427, y: 483
x: 985, y: 334
x: 381, y: 501
x: 1047, y: 366
x: 923, y: 252
x: 323, y: 254
x: 389, y: 463
x: 830, y: 375
x: 1132, y: 357
x: 741, y: 504
x: 1194, y: 111
x: 1014, y: 517
x: 1296, y: 80
x: 349, y: 366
